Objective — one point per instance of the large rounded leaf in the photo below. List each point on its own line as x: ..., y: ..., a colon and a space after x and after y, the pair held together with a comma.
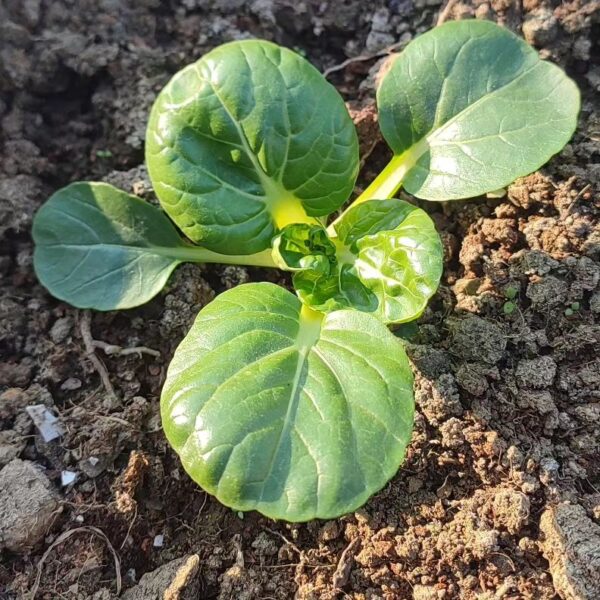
x: 468, y: 107
x: 275, y: 408
x: 249, y: 138
x: 386, y: 259
x: 99, y: 247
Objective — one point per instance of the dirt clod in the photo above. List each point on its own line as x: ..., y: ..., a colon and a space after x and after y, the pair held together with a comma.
x: 425, y: 592
x: 175, y: 580
x: 28, y: 505
x: 572, y: 546
x: 547, y: 292
x: 510, y: 510
x: 540, y: 27
x: 476, y: 339
x: 536, y: 372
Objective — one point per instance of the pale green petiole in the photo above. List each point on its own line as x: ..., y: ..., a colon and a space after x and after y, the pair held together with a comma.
x: 388, y: 182
x: 383, y: 187
x: 202, y: 255
x: 343, y: 254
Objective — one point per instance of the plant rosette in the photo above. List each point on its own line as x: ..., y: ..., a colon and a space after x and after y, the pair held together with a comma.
x: 385, y: 259
x: 301, y: 406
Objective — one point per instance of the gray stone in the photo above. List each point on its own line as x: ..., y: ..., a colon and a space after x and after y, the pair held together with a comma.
x: 28, y: 505
x: 61, y: 329
x: 572, y: 546
x: 175, y: 580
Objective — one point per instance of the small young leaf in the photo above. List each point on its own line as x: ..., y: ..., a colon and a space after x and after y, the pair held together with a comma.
x: 303, y: 247
x: 386, y: 260
x: 98, y: 247
x: 468, y: 107
x: 276, y: 408
x: 246, y: 140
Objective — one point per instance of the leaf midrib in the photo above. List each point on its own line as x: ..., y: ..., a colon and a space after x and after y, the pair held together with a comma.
x: 162, y: 251
x: 414, y: 152
x: 271, y: 188
x: 306, y: 339
x: 276, y: 197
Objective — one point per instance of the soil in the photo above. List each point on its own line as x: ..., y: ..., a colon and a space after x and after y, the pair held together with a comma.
x: 500, y: 494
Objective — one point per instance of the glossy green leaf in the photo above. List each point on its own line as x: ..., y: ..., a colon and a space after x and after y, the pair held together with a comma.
x: 98, y: 247
x: 246, y: 140
x: 385, y: 259
x: 276, y: 408
x: 468, y: 107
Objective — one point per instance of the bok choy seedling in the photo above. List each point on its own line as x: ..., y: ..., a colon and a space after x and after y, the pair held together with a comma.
x: 301, y: 406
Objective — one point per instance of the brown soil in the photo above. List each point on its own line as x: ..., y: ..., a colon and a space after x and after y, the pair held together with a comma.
x: 500, y: 494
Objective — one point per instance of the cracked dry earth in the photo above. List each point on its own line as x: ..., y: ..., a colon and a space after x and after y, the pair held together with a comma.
x: 499, y: 497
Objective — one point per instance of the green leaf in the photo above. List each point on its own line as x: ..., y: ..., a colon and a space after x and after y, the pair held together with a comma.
x: 468, y: 107
x: 98, y: 247
x: 246, y: 140
x: 304, y: 247
x: 276, y: 408
x: 386, y: 259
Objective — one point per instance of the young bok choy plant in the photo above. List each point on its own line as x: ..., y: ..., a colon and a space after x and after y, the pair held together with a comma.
x: 301, y: 406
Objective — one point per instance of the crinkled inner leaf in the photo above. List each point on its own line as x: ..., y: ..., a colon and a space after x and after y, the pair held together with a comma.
x: 249, y: 138
x: 386, y: 260
x: 468, y: 107
x: 304, y: 247
x: 99, y: 247
x: 275, y: 408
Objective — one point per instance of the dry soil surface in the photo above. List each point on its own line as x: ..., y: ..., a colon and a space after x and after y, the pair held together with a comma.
x: 499, y: 497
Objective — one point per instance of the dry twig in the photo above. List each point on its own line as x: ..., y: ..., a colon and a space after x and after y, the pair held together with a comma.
x: 129, y: 481
x: 65, y: 536
x: 576, y: 199
x: 109, y: 349
x: 342, y: 571
x: 364, y: 57
x: 288, y: 542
